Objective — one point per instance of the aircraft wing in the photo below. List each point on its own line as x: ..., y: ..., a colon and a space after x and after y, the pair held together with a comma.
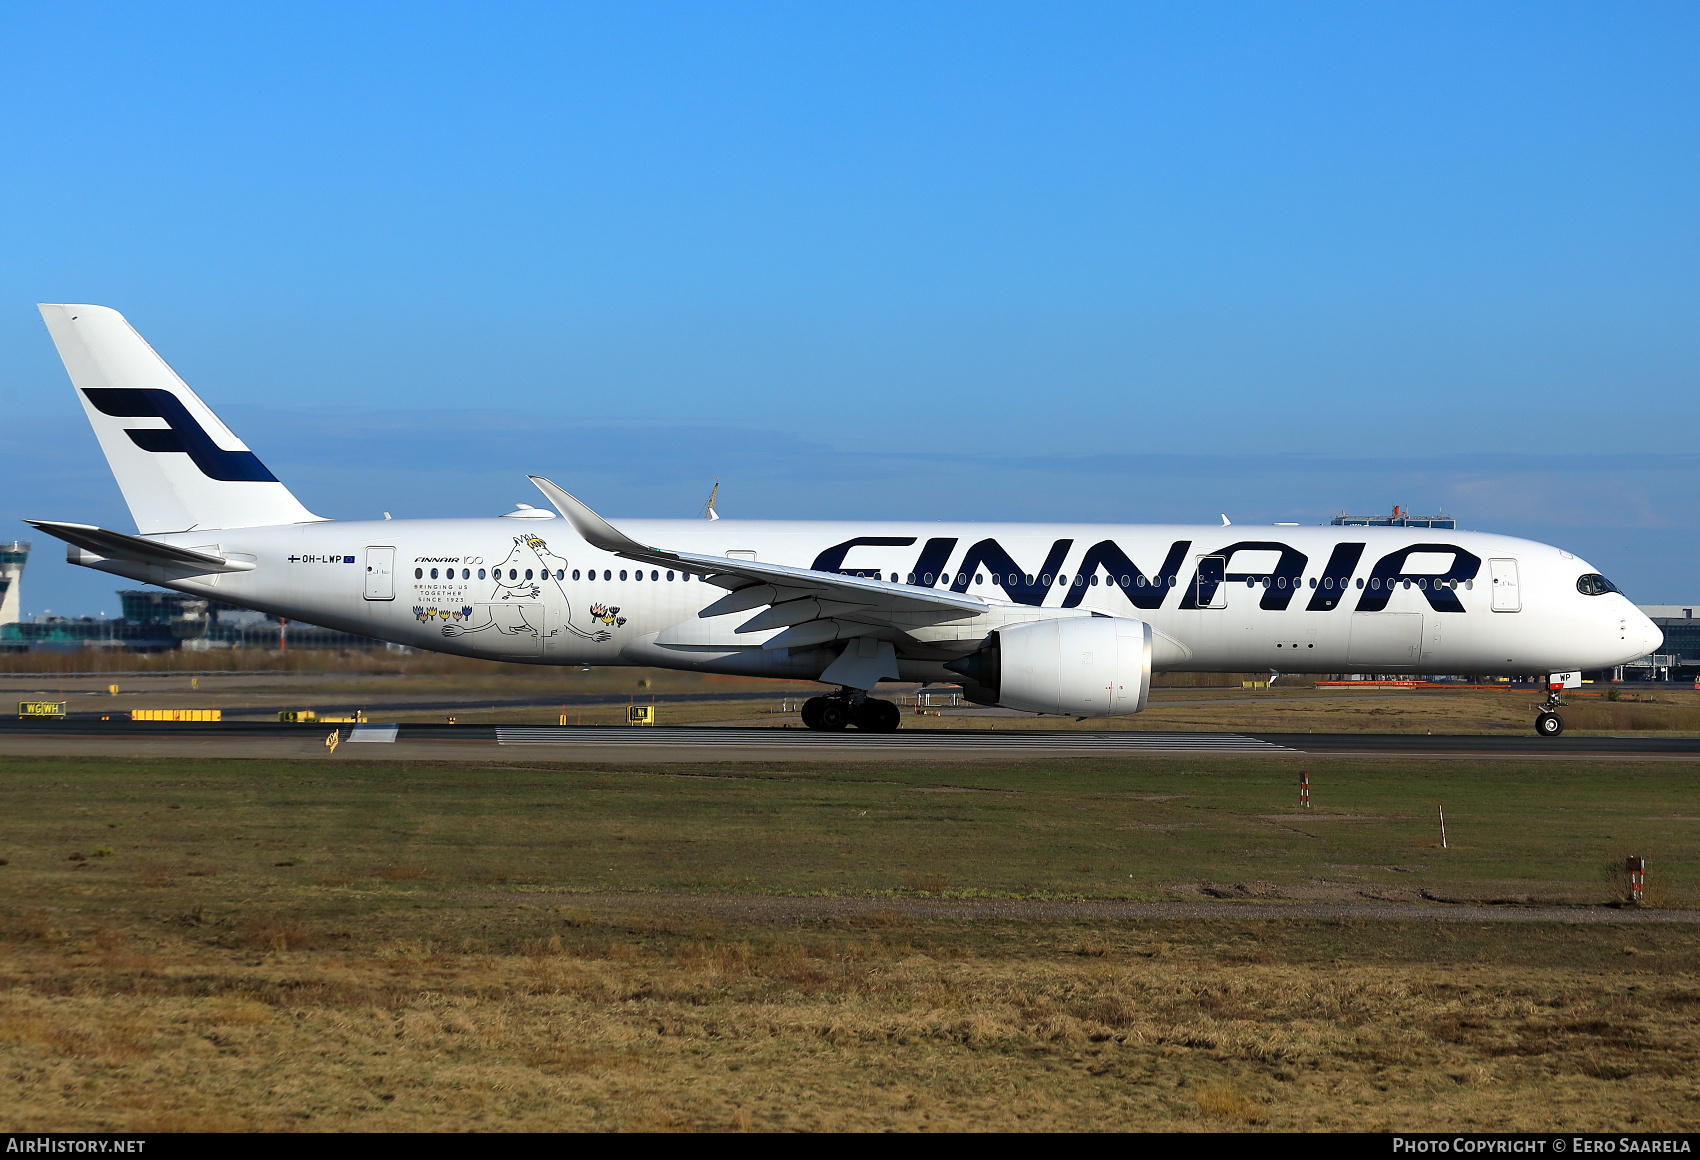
x: 812, y: 607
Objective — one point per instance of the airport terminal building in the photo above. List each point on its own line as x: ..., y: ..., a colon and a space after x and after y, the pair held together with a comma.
x: 1680, y: 655
x: 155, y: 620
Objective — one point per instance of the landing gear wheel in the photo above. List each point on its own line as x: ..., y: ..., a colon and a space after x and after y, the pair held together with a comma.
x: 1549, y: 725
x: 879, y: 717
x: 830, y: 717
x: 811, y: 712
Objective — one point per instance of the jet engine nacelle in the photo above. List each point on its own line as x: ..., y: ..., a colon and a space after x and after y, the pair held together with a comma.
x: 1084, y: 666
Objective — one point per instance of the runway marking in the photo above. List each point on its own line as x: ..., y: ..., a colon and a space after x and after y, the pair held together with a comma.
x: 792, y: 739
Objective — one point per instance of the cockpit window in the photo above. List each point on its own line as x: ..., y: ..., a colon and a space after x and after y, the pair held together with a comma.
x: 1593, y: 584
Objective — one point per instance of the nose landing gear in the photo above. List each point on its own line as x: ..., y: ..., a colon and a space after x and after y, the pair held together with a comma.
x: 833, y: 712
x: 1548, y: 723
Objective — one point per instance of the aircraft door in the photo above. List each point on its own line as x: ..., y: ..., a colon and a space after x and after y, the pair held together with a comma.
x: 1212, y: 582
x: 380, y: 573
x: 1506, y: 597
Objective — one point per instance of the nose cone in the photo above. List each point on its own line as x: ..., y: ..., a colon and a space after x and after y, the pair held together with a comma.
x: 1652, y: 636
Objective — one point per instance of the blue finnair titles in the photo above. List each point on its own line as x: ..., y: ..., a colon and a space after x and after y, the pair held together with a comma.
x: 1067, y: 618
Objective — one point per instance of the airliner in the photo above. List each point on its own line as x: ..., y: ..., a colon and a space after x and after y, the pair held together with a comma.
x: 1067, y: 619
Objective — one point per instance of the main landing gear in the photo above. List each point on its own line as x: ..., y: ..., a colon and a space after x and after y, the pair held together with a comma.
x: 1549, y: 723
x: 835, y: 711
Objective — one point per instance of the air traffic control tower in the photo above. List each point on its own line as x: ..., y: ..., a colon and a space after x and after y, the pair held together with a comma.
x: 13, y: 556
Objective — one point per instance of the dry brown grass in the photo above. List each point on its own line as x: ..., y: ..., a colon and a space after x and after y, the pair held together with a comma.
x: 1219, y: 1101
x: 872, y: 1023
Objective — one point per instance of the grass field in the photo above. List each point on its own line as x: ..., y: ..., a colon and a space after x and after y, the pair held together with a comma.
x: 332, y: 944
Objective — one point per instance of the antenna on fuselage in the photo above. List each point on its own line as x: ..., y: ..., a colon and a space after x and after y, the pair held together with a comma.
x: 708, y: 512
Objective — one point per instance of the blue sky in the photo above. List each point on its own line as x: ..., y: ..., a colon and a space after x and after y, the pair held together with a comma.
x: 967, y: 261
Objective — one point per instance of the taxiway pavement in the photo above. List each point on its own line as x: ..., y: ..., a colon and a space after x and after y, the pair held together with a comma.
x: 433, y: 742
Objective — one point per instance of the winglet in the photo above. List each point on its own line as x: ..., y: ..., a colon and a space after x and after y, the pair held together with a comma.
x: 597, y: 532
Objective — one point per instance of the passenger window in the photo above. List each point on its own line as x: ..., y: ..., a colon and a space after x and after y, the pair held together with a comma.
x: 977, y: 578
x: 654, y: 575
x: 1313, y: 581
x: 622, y: 573
x: 911, y: 577
x: 607, y: 575
x: 433, y: 573
x: 638, y: 575
x: 929, y: 578
x: 575, y: 573
x: 1094, y: 579
x: 669, y: 575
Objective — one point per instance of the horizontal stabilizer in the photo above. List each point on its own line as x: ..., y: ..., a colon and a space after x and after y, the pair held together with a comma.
x: 112, y: 545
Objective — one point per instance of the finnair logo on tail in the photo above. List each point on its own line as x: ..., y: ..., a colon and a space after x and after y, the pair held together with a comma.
x: 183, y: 434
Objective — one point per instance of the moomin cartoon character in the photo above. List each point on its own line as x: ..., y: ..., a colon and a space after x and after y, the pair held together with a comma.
x: 522, y: 579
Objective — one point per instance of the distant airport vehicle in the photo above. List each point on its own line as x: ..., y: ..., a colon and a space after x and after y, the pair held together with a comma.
x: 1052, y: 618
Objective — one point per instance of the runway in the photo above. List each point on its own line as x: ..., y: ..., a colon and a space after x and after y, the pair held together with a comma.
x: 413, y: 741
x: 975, y: 739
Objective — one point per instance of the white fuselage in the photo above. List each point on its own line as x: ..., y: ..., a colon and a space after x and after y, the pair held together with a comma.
x: 1290, y: 599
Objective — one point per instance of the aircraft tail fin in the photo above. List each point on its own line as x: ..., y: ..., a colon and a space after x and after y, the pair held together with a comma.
x: 178, y: 466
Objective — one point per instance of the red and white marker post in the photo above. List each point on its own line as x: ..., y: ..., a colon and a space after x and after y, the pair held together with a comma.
x: 1637, y: 868
x: 1304, y: 789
